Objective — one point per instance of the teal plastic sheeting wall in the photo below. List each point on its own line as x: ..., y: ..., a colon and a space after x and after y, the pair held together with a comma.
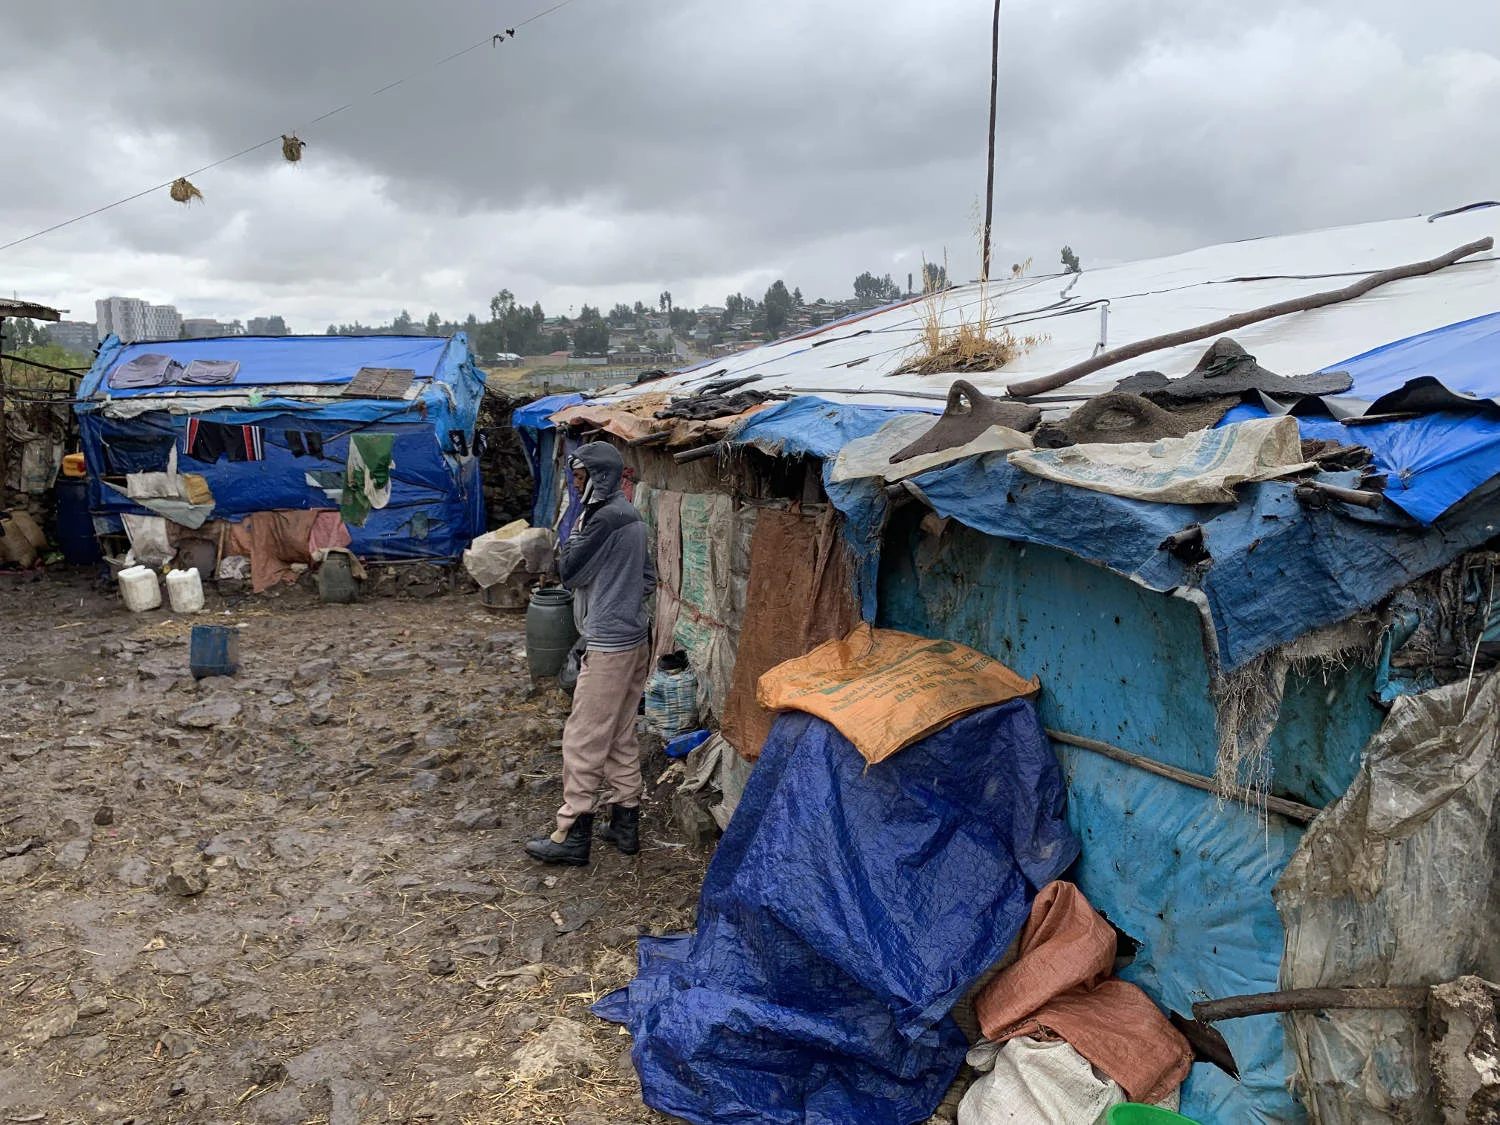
x: 1187, y: 877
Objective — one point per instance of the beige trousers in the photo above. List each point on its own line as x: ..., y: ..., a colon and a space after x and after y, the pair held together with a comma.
x: 600, y: 751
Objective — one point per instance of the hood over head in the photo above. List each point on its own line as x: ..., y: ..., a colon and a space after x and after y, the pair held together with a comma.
x: 605, y: 468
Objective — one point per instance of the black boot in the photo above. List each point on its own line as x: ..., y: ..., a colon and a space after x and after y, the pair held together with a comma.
x: 623, y: 829
x: 573, y: 851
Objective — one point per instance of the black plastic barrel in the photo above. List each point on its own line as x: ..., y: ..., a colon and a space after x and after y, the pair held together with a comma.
x: 75, y: 527
x: 550, y: 632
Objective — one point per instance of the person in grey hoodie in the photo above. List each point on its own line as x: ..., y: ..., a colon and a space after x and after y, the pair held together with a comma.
x: 606, y: 562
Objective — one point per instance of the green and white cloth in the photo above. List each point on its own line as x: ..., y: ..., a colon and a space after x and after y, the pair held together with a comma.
x: 367, y: 477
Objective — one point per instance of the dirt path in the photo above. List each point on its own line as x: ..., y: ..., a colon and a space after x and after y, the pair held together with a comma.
x: 297, y: 894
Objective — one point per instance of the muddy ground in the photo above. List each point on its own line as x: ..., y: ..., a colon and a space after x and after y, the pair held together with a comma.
x: 298, y: 894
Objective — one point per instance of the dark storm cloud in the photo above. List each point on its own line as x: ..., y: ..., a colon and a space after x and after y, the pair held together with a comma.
x: 616, y: 148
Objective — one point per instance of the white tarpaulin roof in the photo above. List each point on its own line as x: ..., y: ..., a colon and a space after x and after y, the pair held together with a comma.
x: 855, y: 360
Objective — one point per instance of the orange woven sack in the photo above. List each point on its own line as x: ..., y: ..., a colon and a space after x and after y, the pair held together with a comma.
x: 884, y: 690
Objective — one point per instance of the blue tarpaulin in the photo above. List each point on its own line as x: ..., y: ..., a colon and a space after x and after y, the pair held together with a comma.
x: 533, y: 422
x: 848, y: 908
x: 1435, y: 460
x: 1188, y: 877
x: 1279, y: 571
x: 300, y: 443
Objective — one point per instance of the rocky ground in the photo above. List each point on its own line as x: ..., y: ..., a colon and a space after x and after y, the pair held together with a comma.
x: 298, y: 894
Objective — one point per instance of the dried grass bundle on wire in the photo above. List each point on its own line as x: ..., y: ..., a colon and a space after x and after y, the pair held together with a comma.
x: 291, y: 148
x: 183, y: 191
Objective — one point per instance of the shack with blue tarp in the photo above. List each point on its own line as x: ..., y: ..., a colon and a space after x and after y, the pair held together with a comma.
x: 269, y: 424
x: 1254, y: 642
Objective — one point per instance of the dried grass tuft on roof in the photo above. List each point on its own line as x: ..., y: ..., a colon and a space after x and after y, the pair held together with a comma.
x: 970, y: 345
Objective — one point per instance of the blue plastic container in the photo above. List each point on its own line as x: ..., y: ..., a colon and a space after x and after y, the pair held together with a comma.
x: 685, y: 744
x: 75, y: 527
x: 214, y: 651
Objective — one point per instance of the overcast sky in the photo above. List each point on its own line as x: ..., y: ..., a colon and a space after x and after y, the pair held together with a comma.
x: 616, y: 148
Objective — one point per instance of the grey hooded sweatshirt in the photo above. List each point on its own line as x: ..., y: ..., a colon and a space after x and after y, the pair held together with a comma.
x: 606, y: 561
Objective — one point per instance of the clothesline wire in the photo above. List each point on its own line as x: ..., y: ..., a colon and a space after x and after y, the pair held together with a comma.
x: 277, y: 139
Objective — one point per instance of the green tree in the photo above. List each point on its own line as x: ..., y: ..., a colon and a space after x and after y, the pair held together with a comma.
x: 797, y: 301
x: 665, y: 301
x: 778, y: 306
x: 401, y: 326
x: 591, y: 335
x: 557, y: 342
x: 434, y: 324
x: 1070, y: 261
x: 620, y: 315
x: 20, y: 332
x: 934, y: 277
x: 868, y: 287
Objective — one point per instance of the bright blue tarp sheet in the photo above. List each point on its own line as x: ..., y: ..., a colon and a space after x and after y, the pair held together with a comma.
x: 1435, y: 460
x: 533, y: 422
x: 847, y: 909
x: 437, y: 502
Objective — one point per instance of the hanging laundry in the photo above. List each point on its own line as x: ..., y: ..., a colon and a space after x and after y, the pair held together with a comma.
x: 208, y: 441
x: 304, y: 443
x: 367, y: 480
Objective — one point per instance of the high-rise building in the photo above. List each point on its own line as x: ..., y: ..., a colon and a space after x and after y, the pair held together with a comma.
x: 133, y: 320
x: 77, y: 336
x: 163, y: 322
x: 124, y: 317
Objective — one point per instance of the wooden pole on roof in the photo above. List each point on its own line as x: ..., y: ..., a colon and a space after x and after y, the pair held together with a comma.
x: 989, y: 183
x: 1045, y: 383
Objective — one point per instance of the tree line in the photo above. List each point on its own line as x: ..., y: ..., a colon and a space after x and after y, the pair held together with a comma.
x: 516, y: 328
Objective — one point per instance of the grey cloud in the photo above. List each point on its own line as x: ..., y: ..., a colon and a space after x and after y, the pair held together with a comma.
x: 615, y: 148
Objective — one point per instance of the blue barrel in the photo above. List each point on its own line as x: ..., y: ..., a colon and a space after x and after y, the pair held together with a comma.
x: 214, y: 651
x: 75, y: 527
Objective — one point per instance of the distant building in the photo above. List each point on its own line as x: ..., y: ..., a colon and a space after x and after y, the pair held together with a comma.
x: 163, y: 322
x: 266, y: 326
x: 77, y: 336
x: 205, y: 328
x: 133, y: 320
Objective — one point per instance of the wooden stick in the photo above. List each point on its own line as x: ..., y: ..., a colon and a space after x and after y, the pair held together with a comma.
x: 1292, y: 810
x: 1357, y: 496
x: 1310, y: 1000
x: 698, y: 453
x: 1240, y: 320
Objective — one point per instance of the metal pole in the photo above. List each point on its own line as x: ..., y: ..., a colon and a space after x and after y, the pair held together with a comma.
x: 4, y: 431
x: 989, y: 185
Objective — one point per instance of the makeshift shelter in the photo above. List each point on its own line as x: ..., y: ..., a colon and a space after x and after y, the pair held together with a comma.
x: 1254, y: 634
x: 380, y: 428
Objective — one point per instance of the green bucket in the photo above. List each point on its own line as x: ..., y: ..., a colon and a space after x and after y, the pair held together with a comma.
x: 1131, y: 1113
